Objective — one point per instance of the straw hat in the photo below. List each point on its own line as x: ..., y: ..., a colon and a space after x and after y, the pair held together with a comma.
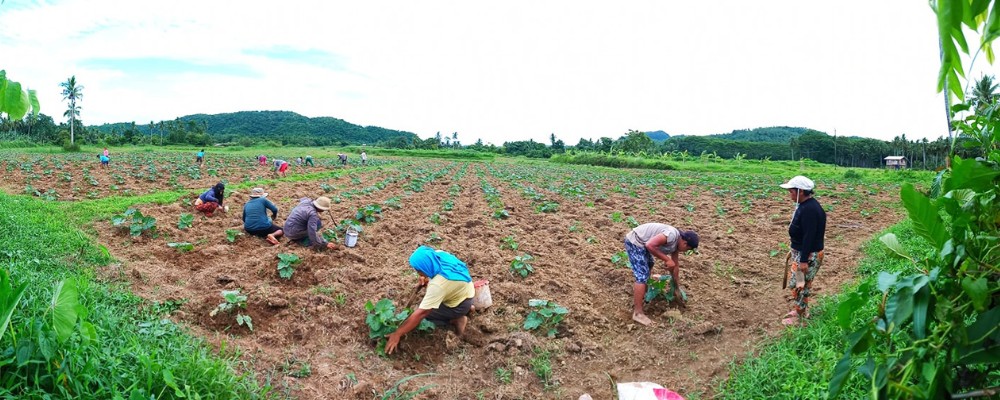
x: 322, y: 203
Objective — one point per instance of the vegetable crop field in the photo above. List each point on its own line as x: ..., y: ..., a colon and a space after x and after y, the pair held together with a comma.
x: 549, y: 238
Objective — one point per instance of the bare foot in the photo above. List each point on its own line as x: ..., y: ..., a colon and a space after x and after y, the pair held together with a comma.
x: 459, y: 324
x: 472, y: 310
x: 643, y: 319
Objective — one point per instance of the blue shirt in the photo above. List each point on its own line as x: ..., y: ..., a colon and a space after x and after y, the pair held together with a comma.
x: 209, y: 196
x: 104, y: 158
x: 255, y: 214
x: 201, y: 154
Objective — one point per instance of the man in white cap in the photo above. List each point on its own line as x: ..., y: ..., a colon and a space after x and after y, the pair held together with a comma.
x: 806, y: 232
x: 255, y: 220
x: 303, y: 224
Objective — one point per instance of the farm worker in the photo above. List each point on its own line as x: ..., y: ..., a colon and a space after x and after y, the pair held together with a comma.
x: 106, y: 152
x: 209, y: 201
x: 449, y: 295
x: 280, y: 166
x: 806, y: 232
x: 343, y: 159
x: 298, y: 162
x: 200, y: 159
x: 104, y: 160
x: 655, y: 240
x: 303, y: 224
x: 255, y: 220
x: 262, y: 160
x: 364, y: 158
x: 309, y: 160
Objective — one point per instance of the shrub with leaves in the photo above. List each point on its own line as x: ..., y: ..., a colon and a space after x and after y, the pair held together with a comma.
x: 520, y: 265
x: 383, y: 319
x: 185, y: 221
x: 285, y: 263
x: 369, y: 214
x: 546, y: 316
x: 234, y: 302
x: 134, y: 221
x: 232, y: 234
x: 662, y: 287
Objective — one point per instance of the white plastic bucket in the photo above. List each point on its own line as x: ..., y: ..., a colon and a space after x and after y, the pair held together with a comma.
x: 351, y: 239
x: 483, y: 298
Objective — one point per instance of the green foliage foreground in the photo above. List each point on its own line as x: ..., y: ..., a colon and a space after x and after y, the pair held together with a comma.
x: 116, y: 346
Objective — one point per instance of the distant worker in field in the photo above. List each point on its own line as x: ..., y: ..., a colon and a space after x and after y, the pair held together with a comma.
x: 255, y: 220
x: 106, y: 152
x: 303, y: 224
x: 298, y: 162
x: 343, y: 159
x: 211, y: 200
x: 280, y: 166
x: 200, y: 158
x: 104, y: 159
x: 261, y: 160
x: 309, y: 160
x: 364, y: 158
x: 448, y: 300
x: 663, y: 242
x: 806, y: 231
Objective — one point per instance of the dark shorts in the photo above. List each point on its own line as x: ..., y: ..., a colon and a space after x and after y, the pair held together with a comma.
x: 443, y: 315
x: 198, y: 159
x: 105, y: 162
x: 641, y: 260
x: 264, y: 232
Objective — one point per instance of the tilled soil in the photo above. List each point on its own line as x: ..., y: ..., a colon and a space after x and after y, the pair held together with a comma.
x: 318, y: 318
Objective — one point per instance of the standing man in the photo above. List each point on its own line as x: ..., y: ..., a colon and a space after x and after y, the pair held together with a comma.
x: 280, y: 166
x: 806, y: 232
x: 661, y: 241
x: 364, y: 158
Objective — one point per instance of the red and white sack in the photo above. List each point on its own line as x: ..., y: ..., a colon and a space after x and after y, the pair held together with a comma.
x: 645, y: 391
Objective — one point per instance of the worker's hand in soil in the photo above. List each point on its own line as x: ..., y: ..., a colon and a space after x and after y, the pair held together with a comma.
x: 424, y: 281
x: 330, y: 245
x: 391, y: 344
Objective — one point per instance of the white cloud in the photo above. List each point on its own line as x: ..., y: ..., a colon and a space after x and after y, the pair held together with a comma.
x: 501, y: 71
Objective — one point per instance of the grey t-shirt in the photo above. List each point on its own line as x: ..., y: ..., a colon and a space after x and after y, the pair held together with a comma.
x: 646, y: 232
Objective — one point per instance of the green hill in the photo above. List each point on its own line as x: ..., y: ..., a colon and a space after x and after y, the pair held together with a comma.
x: 658, y: 135
x: 248, y: 127
x: 773, y: 134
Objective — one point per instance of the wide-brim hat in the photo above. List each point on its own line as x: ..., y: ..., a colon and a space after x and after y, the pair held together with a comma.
x: 258, y: 192
x: 322, y: 203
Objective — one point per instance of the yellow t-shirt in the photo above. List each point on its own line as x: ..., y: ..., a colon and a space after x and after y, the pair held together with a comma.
x: 450, y: 293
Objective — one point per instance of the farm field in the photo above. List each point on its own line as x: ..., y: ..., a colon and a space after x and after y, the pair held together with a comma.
x: 74, y: 177
x: 309, y: 332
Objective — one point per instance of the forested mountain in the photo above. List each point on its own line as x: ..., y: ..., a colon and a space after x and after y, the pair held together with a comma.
x: 252, y: 127
x: 773, y: 134
x: 658, y: 135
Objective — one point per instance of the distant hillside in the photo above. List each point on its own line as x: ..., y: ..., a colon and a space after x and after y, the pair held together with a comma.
x: 260, y: 126
x: 775, y: 134
x: 658, y: 135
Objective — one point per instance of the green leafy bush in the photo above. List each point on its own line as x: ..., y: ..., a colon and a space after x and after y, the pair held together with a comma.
x: 185, y: 221
x: 521, y: 266
x: 285, y: 263
x: 661, y: 287
x: 383, y: 319
x: 234, y: 301
x: 134, y: 221
x: 546, y: 316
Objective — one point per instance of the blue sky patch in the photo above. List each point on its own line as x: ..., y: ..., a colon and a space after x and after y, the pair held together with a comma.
x: 167, y: 66
x: 315, y: 57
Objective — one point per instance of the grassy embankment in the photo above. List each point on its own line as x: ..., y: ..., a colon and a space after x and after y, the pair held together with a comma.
x: 136, y: 352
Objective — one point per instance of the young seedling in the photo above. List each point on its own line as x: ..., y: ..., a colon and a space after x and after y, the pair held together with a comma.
x: 330, y: 235
x: 181, y: 247
x: 393, y: 202
x: 520, y: 265
x: 185, y: 221
x: 234, y: 301
x: 546, y: 315
x: 616, y: 217
x: 135, y: 221
x: 434, y: 238
x: 508, y: 243
x: 285, y: 264
x: 620, y: 259
x: 447, y: 205
x: 383, y: 319
x: 632, y: 223
x: 369, y: 214
x: 232, y: 234
x: 500, y: 213
x: 436, y: 219
x: 575, y: 227
x: 662, y: 286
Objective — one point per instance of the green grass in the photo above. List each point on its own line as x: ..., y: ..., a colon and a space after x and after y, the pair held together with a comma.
x: 799, y: 363
x: 136, y: 351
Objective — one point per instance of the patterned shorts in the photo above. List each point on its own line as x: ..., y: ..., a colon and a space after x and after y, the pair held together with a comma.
x: 641, y: 260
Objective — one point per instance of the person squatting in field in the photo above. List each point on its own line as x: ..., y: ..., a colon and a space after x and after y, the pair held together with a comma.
x: 655, y: 240
x: 255, y: 220
x: 309, y: 160
x: 280, y: 166
x: 261, y: 160
x: 806, y: 232
x: 211, y: 200
x: 303, y: 224
x: 448, y: 300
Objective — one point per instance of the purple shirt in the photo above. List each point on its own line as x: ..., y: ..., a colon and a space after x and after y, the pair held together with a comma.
x: 304, y: 221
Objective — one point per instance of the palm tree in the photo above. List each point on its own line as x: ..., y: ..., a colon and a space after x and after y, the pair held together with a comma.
x: 72, y: 92
x: 984, y: 93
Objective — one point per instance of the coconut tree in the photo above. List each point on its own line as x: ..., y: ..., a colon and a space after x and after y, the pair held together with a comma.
x: 72, y: 92
x: 984, y: 93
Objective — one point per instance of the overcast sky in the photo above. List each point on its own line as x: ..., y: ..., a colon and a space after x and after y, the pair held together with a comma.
x: 511, y: 70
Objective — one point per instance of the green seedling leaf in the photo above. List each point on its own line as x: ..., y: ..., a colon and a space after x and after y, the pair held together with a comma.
x: 181, y: 247
x: 977, y: 291
x: 64, y: 309
x: 185, y: 221
x: 9, y: 299
x: 890, y: 241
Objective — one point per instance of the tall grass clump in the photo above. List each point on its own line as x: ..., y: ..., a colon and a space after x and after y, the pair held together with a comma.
x: 119, y: 348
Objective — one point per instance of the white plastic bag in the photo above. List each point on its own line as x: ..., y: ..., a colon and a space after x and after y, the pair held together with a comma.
x: 645, y: 391
x: 483, y: 298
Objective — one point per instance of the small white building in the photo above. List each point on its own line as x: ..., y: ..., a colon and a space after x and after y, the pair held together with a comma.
x: 895, y: 162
